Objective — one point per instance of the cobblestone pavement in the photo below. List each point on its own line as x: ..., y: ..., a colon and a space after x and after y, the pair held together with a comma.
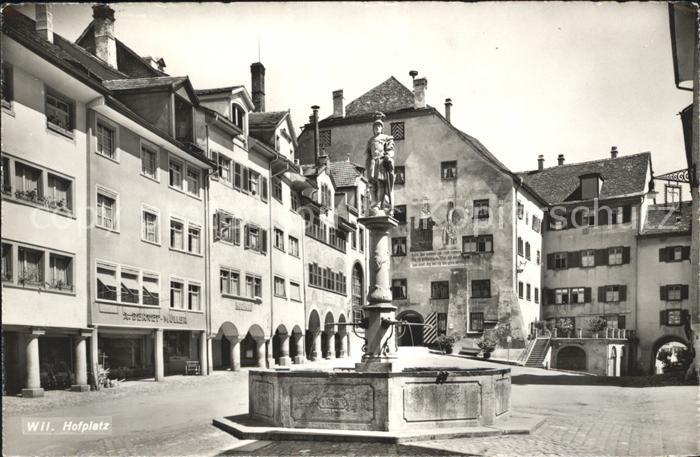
x: 174, y: 418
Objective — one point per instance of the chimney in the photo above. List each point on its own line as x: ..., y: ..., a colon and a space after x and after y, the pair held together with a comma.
x: 413, y: 74
x: 338, y: 108
x: 420, y: 85
x: 560, y: 159
x: 314, y: 117
x: 257, y: 76
x: 613, y: 152
x: 448, y: 110
x: 105, y: 43
x: 540, y: 162
x: 44, y: 21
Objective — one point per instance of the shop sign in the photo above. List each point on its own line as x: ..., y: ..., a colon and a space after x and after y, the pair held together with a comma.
x: 154, y: 318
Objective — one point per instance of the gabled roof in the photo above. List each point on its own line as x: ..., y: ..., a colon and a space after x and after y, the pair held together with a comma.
x: 345, y: 173
x: 262, y: 126
x: 622, y: 176
x: 388, y: 96
x: 667, y: 219
x: 172, y: 83
x: 217, y: 90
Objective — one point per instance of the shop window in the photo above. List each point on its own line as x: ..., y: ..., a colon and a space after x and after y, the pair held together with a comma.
x: 476, y: 322
x: 481, y: 288
x: 399, y: 289
x: 280, y: 287
x: 440, y: 289
x: 176, y: 294
x: 448, y: 170
x: 398, y: 246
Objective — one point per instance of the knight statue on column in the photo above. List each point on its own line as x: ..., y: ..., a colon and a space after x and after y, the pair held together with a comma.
x: 380, y: 169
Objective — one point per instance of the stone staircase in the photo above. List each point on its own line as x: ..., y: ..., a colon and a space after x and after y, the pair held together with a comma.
x: 538, y: 353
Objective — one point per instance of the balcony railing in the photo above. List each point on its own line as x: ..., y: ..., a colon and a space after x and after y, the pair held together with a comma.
x: 579, y: 333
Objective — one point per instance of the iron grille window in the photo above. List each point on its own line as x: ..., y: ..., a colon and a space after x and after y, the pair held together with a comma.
x: 440, y: 289
x: 398, y: 130
x: 324, y: 138
x: 476, y: 322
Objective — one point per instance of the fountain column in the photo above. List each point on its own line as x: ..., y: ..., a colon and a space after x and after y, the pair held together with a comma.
x: 379, y: 312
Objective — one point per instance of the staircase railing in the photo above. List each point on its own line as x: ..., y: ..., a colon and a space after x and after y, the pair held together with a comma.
x: 522, y: 359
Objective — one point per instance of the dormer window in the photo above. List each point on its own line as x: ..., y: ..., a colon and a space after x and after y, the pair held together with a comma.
x: 238, y: 115
x: 183, y: 120
x: 590, y: 186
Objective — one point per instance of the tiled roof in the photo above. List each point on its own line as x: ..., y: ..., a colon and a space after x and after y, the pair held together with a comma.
x: 143, y: 83
x: 216, y: 90
x: 387, y: 97
x: 262, y: 125
x: 624, y: 175
x: 666, y: 219
x: 345, y: 173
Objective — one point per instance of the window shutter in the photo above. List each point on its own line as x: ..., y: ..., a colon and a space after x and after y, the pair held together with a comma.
x: 237, y: 231
x: 601, y: 294
x: 663, y: 317
x: 626, y: 213
x: 217, y: 228
x: 217, y: 168
x: 246, y: 237
x: 662, y: 255
x: 663, y: 294
x: 573, y: 259
x: 621, y: 323
x: 684, y: 291
x: 603, y: 214
x: 685, y: 317
x: 263, y: 189
x: 245, y: 185
x: 623, y: 293
x: 685, y: 252
x: 569, y: 220
x: 601, y: 256
x: 550, y: 296
x: 550, y: 261
x: 263, y: 241
x: 626, y: 255
x: 587, y: 292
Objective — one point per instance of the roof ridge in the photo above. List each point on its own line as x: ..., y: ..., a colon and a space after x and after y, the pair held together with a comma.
x: 554, y: 167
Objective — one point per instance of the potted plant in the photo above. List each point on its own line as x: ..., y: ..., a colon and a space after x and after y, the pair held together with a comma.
x: 487, y: 346
x: 446, y: 343
x: 565, y: 325
x: 597, y: 325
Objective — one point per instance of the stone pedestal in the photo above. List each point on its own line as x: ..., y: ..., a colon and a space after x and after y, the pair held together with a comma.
x: 32, y: 386
x: 285, y: 341
x: 81, y: 380
x: 381, y: 341
x: 299, y: 358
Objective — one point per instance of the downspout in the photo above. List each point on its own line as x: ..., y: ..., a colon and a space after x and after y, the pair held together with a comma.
x: 88, y: 237
x: 207, y: 254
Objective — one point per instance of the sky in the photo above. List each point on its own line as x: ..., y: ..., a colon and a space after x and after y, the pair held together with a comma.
x: 524, y: 78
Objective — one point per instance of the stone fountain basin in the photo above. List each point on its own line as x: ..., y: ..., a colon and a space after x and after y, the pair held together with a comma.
x: 411, y: 399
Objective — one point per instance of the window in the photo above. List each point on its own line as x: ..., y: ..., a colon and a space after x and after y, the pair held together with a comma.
x: 536, y: 224
x: 362, y: 239
x: 476, y: 244
x: 59, y: 194
x: 6, y: 176
x: 177, y: 240
x: 253, y: 182
x: 227, y: 228
x: 615, y: 256
x: 129, y: 280
x: 398, y: 246
x: 674, y: 253
x: 279, y: 239
x: 176, y: 167
x: 238, y: 116
x: 194, y: 297
x: 193, y: 180
x: 324, y: 138
x: 400, y: 175
x: 476, y: 322
x: 106, y: 210
x: 578, y: 295
x: 150, y: 290
x: 673, y: 317
x: 561, y: 296
x: 440, y: 289
x: 560, y: 260
x: 674, y: 292
x: 29, y: 183
x: 481, y: 288
x: 149, y: 161
x: 589, y: 186
x: 60, y: 272
x: 588, y: 258
x: 106, y: 282
x: 280, y: 287
x: 539, y: 257
x: 398, y: 130
x: 150, y: 230
x: 537, y: 295
x: 105, y: 140
x: 295, y: 201
x: 528, y: 292
x: 277, y: 189
x: 6, y: 262
x: 422, y: 234
x: 448, y: 170
x: 481, y: 209
x: 255, y: 238
x: 7, y: 85
x: 398, y: 289
x: 229, y: 282
x: 225, y: 168
x: 294, y: 291
x: 293, y: 246
x: 520, y: 210
x: 612, y: 294
x: 527, y: 250
x: 59, y: 111
x: 520, y: 246
x: 237, y: 176
x: 264, y: 190
x: 194, y: 239
x: 253, y: 286
x: 176, y: 294
x: 521, y: 289
x: 615, y: 321
x: 400, y: 213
